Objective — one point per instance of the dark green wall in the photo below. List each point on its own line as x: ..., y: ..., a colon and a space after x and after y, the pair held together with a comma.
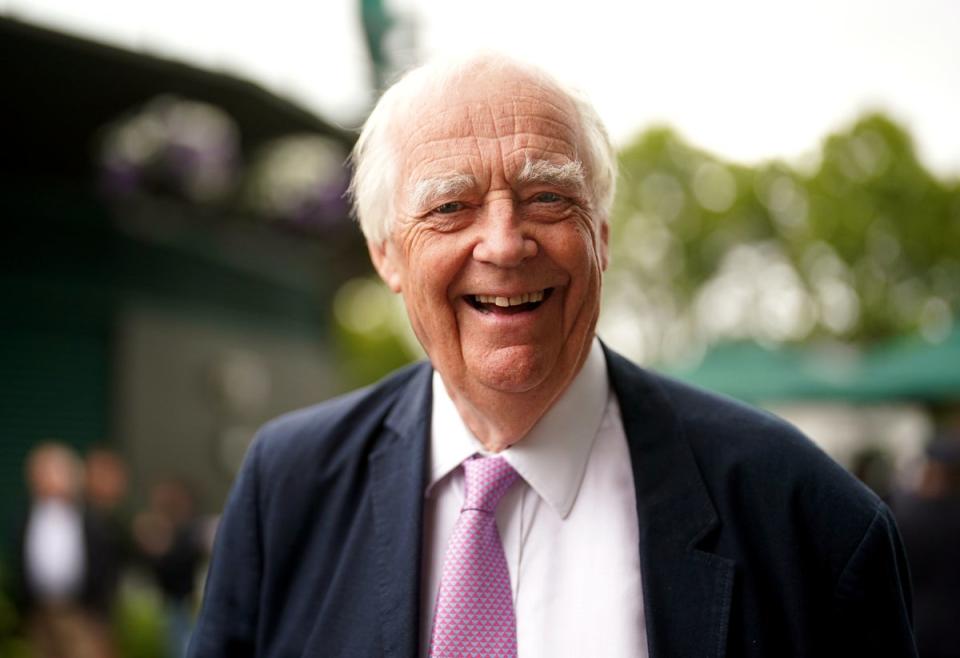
x: 54, y: 386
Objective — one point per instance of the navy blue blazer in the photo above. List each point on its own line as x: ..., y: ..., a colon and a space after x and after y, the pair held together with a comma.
x: 752, y: 541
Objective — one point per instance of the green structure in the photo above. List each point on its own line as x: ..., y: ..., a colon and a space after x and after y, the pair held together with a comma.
x: 163, y: 291
x: 904, y: 369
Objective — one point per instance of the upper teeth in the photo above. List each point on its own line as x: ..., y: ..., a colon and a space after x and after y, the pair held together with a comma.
x: 510, y: 301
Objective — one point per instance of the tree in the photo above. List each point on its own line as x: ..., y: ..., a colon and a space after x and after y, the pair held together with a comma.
x: 861, y: 245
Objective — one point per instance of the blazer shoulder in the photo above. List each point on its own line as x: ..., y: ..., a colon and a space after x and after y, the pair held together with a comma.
x: 746, y: 456
x: 335, y: 427
x: 706, y: 416
x: 708, y: 420
x: 734, y: 438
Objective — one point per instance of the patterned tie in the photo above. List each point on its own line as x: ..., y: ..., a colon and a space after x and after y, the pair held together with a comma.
x: 474, y: 613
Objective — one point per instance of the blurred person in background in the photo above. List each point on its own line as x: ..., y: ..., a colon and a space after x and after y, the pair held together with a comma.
x: 61, y: 585
x: 171, y: 539
x: 107, y: 488
x: 929, y: 518
x: 528, y: 491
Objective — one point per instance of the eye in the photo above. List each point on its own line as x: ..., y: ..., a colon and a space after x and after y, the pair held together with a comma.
x: 547, y: 197
x: 448, y: 208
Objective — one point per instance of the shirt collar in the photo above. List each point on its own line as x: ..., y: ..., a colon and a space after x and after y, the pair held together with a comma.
x: 553, y: 456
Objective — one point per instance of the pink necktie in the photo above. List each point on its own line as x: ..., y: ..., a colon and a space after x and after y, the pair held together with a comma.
x: 474, y: 614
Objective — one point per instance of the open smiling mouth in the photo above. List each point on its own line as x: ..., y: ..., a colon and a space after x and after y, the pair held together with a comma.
x: 528, y: 301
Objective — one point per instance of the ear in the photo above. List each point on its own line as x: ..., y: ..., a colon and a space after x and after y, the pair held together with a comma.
x: 604, y: 245
x: 386, y: 262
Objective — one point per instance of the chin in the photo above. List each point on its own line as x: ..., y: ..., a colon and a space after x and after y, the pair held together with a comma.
x: 516, y: 369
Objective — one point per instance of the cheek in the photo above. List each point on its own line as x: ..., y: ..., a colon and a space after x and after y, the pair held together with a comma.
x: 433, y: 268
x: 590, y: 235
x: 578, y: 252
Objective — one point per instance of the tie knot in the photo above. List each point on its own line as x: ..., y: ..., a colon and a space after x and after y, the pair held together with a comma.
x: 486, y: 480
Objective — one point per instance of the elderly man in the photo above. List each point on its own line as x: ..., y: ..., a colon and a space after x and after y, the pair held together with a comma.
x: 529, y: 492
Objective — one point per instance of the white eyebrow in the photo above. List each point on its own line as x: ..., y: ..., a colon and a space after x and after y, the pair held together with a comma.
x: 429, y: 190
x: 569, y: 175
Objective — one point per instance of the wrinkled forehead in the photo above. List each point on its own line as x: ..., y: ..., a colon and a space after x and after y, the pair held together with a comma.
x: 463, y: 125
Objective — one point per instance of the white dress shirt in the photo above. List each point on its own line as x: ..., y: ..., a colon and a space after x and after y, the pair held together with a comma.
x: 55, y: 553
x: 568, y: 524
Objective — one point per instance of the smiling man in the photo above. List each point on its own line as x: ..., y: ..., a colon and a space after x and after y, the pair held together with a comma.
x: 529, y: 492
x: 497, y: 243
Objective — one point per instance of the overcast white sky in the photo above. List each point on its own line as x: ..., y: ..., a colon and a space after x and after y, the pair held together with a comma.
x: 747, y: 79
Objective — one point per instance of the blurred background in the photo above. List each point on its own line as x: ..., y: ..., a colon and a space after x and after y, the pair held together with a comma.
x: 179, y: 265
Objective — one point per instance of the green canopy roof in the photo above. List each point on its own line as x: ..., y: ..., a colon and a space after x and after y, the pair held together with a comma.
x: 912, y: 368
x: 904, y: 368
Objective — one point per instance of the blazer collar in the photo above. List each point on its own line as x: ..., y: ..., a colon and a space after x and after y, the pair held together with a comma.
x: 687, y: 591
x: 398, y: 467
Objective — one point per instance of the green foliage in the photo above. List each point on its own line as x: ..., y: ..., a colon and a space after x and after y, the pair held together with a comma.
x: 12, y: 643
x: 139, y: 624
x: 371, y: 332
x: 367, y: 357
x: 15, y: 647
x: 863, y: 245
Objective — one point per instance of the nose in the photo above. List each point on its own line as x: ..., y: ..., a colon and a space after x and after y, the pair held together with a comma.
x: 502, y: 240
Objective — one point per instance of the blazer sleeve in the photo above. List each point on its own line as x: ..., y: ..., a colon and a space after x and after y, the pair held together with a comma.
x: 872, y: 598
x: 227, y: 626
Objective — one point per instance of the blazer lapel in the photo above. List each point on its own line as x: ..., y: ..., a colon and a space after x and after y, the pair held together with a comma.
x: 398, y: 471
x: 687, y: 592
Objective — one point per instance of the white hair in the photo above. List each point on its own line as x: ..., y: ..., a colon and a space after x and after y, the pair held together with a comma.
x: 375, y: 160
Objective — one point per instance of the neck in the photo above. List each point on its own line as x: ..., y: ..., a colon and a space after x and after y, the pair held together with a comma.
x: 500, y: 419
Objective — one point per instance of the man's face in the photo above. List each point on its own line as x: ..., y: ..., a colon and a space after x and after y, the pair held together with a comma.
x: 494, y: 247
